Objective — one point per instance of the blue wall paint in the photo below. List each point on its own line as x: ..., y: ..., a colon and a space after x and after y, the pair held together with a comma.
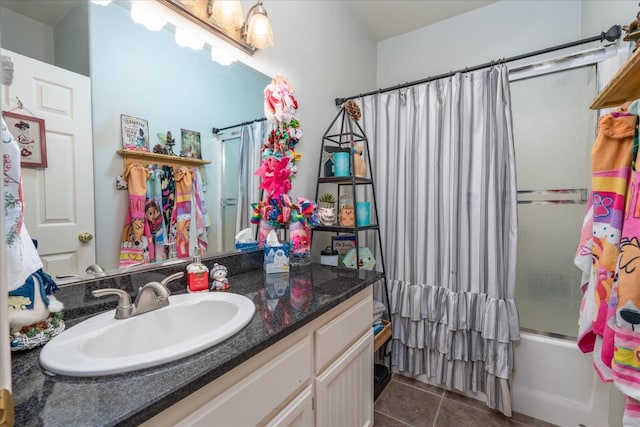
x: 147, y: 75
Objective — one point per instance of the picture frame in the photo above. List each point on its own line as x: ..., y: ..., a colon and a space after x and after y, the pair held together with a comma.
x: 190, y: 145
x: 135, y: 133
x: 29, y: 133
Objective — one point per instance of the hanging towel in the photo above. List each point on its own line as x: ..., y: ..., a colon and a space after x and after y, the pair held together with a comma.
x: 153, y: 213
x: 599, y: 246
x: 168, y: 200
x: 136, y: 237
x: 22, y: 256
x: 198, y: 206
x: 181, y: 216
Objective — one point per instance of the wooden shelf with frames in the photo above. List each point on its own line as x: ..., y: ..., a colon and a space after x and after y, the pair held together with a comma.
x: 145, y: 159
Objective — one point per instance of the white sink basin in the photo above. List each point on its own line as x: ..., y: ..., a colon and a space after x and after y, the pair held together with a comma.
x: 103, y: 345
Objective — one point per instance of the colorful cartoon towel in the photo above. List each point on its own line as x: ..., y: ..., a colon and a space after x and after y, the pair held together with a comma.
x: 136, y: 246
x: 22, y: 256
x: 153, y: 213
x: 598, y: 249
x: 168, y: 194
x: 199, y: 211
x: 181, y: 216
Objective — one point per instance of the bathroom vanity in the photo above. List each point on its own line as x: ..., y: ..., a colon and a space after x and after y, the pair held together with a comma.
x: 309, y: 346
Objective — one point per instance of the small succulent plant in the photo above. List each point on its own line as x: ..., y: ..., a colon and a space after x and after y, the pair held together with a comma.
x: 327, y: 198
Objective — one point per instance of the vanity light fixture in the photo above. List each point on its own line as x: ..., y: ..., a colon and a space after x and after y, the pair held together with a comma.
x: 227, y: 14
x: 256, y: 28
x: 140, y: 15
x: 258, y: 32
x: 101, y: 2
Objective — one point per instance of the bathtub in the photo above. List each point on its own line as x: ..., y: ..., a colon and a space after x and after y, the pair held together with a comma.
x: 555, y: 382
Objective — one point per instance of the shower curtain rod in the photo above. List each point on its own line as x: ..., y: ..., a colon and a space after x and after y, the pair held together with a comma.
x: 612, y: 34
x: 218, y: 130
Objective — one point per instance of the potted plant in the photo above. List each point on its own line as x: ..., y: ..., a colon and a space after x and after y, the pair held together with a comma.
x: 327, y: 200
x: 327, y: 209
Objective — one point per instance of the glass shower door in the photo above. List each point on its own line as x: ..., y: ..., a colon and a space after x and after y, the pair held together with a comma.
x: 554, y: 131
x: 229, y: 190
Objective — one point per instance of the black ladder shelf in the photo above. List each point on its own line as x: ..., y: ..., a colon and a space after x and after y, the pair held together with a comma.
x: 341, y: 134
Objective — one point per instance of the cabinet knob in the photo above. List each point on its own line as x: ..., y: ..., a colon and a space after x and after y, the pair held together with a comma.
x: 85, y: 237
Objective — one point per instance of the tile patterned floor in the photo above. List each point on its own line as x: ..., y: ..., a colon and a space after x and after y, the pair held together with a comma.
x: 408, y: 402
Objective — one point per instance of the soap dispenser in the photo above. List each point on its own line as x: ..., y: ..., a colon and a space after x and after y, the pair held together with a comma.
x: 197, y: 273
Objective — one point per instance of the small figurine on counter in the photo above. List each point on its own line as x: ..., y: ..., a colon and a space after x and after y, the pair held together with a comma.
x: 219, y: 278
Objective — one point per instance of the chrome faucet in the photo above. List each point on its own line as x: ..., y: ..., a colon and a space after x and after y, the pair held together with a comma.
x: 152, y: 296
x: 95, y: 268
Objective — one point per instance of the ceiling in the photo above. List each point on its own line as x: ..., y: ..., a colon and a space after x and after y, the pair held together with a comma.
x: 49, y: 13
x: 382, y: 18
x: 389, y: 18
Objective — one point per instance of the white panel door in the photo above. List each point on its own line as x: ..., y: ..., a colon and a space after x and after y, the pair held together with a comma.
x: 59, y: 203
x: 344, y: 391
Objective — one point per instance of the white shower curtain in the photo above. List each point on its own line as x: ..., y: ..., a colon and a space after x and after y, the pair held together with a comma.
x: 444, y: 169
x: 252, y: 137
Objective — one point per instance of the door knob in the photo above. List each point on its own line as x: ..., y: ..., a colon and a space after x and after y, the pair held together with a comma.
x: 85, y: 237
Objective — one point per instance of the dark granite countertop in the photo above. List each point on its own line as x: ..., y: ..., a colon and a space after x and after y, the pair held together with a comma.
x: 42, y: 399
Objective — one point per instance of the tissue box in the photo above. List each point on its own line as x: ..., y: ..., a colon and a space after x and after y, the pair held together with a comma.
x: 276, y: 258
x: 277, y: 286
x: 245, y: 247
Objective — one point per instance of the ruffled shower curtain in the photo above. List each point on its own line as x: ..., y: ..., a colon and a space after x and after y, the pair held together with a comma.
x: 444, y: 169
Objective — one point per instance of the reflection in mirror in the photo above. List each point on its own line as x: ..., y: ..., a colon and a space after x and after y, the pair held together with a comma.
x: 80, y: 66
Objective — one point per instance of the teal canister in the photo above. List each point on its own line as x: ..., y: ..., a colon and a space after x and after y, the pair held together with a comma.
x: 341, y: 163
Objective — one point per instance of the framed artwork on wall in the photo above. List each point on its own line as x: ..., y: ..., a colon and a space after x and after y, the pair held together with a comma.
x: 190, y: 144
x: 30, y: 134
x: 135, y: 133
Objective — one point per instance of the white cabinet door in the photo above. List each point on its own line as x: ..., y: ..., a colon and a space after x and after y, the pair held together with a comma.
x: 344, y: 391
x: 298, y: 413
x: 251, y: 400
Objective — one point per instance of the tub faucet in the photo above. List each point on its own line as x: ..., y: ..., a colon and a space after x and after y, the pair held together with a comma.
x: 152, y: 296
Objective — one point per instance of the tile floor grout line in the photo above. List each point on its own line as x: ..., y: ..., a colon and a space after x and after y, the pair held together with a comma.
x: 421, y: 389
x: 393, y: 418
x: 435, y: 419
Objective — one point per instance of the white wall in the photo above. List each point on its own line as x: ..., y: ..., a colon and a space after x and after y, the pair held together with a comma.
x: 37, y: 41
x: 499, y: 30
x: 495, y: 31
x: 326, y: 54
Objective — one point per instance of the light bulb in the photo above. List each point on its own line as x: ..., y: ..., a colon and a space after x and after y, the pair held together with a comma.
x: 259, y: 33
x: 227, y: 14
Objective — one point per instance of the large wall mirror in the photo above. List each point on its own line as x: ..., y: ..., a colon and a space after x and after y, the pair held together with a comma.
x: 80, y: 66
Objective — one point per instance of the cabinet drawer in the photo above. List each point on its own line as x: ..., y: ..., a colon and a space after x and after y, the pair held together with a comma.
x: 334, y: 337
x: 253, y: 398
